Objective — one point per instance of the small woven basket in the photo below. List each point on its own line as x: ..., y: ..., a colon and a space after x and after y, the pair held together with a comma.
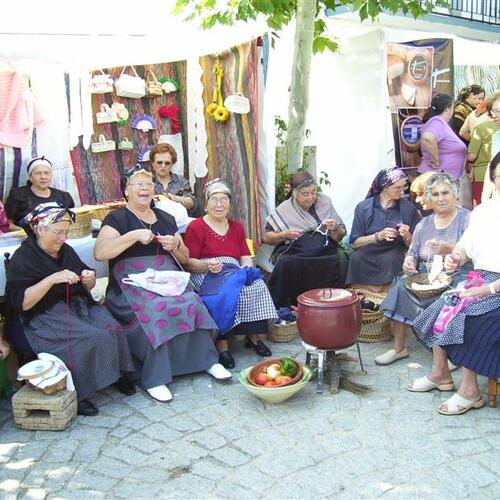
x: 81, y: 227
x: 375, y: 327
x: 50, y: 389
x: 283, y: 333
x: 423, y: 279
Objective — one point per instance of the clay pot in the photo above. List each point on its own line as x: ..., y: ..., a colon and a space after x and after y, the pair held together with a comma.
x: 329, y: 318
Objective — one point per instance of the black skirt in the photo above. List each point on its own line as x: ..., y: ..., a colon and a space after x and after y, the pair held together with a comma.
x: 294, y: 274
x: 376, y: 264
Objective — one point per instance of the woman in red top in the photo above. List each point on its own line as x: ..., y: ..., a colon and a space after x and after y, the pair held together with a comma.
x: 218, y: 244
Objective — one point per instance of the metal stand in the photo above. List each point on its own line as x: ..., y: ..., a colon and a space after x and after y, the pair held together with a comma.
x: 327, y: 358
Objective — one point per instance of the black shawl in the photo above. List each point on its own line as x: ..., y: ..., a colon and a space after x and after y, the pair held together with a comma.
x: 30, y: 264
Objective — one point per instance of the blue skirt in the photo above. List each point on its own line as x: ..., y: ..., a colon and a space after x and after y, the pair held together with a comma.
x: 480, y: 351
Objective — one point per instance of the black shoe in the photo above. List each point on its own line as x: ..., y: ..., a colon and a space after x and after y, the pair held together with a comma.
x: 226, y: 360
x: 260, y: 348
x: 125, y: 386
x: 86, y: 408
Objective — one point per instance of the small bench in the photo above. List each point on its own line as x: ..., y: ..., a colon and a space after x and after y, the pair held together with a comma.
x: 34, y: 410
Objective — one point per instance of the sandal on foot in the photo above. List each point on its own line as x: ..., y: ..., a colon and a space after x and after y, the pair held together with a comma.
x: 390, y: 356
x: 424, y: 384
x: 260, y: 348
x: 457, y: 405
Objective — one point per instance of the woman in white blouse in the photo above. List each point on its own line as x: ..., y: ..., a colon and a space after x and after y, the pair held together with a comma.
x: 472, y: 337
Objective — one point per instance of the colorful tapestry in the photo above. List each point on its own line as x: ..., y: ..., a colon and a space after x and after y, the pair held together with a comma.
x: 98, y: 174
x: 233, y: 145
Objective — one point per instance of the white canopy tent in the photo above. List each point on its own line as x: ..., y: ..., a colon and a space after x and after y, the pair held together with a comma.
x: 348, y: 114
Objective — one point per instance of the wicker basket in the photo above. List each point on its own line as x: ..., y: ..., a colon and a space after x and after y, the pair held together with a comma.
x: 50, y: 389
x: 376, y: 327
x: 423, y: 279
x: 283, y: 333
x: 81, y: 227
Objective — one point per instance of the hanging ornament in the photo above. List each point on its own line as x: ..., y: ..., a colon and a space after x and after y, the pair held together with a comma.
x: 169, y: 84
x: 171, y: 113
x: 144, y: 122
x: 216, y: 108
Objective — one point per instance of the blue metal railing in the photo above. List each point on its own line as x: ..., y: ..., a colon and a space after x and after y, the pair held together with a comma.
x: 483, y: 11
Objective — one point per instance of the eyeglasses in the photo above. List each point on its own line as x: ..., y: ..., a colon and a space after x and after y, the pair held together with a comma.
x: 167, y: 163
x: 223, y: 200
x: 307, y: 195
x: 59, y: 232
x: 142, y: 184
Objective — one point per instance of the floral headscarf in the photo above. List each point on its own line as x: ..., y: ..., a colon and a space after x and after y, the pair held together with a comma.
x: 384, y: 179
x: 48, y: 213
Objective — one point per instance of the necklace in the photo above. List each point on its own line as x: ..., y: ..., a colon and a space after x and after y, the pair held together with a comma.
x: 150, y: 224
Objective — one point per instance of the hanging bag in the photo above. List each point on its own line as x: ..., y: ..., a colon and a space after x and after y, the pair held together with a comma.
x: 237, y: 103
x: 102, y: 145
x: 131, y: 86
x: 153, y: 86
x: 101, y: 83
x: 106, y: 114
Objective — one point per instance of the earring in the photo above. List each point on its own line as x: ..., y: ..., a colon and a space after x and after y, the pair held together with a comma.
x: 126, y: 194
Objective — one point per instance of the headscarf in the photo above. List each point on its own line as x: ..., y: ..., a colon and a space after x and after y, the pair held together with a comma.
x: 37, y: 162
x: 47, y: 213
x: 137, y: 169
x: 216, y: 186
x: 384, y: 179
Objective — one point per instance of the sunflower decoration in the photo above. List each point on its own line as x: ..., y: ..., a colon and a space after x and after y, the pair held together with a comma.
x: 216, y: 108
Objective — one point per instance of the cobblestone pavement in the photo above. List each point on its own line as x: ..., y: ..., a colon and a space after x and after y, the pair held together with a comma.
x: 218, y: 441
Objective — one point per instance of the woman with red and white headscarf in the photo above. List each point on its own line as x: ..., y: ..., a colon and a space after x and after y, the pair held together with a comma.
x: 48, y: 286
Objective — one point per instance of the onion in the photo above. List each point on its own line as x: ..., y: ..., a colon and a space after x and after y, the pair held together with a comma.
x: 274, y: 370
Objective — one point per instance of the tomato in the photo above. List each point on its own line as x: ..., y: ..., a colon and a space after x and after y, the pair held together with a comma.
x: 270, y: 383
x: 283, y: 378
x: 261, y: 378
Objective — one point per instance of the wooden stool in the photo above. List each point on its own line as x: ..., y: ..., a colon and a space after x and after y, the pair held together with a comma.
x: 493, y: 390
x: 34, y: 410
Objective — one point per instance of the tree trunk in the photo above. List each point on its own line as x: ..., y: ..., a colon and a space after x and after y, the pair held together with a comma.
x: 299, y: 90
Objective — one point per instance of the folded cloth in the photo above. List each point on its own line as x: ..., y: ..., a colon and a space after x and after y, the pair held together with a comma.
x: 56, y: 374
x: 220, y: 293
x: 285, y: 314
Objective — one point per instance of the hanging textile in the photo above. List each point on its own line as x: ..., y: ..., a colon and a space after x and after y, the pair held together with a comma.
x: 233, y: 145
x: 98, y: 174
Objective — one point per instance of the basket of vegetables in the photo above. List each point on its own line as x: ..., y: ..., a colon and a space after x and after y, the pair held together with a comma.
x: 276, y: 372
x: 274, y: 393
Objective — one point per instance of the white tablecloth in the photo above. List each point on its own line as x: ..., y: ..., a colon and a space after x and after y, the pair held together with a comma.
x: 84, y: 248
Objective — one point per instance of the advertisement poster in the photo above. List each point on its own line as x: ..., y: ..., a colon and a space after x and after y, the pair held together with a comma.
x: 416, y: 71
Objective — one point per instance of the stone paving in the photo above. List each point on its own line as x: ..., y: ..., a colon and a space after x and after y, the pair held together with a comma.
x: 219, y: 441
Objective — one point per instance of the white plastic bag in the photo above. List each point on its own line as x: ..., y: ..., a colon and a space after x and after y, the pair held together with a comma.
x: 164, y: 283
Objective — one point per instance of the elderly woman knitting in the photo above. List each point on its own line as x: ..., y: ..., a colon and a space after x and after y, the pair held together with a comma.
x: 224, y: 276
x: 381, y: 232
x: 306, y: 230
x: 48, y: 285
x: 168, y: 328
x: 434, y: 237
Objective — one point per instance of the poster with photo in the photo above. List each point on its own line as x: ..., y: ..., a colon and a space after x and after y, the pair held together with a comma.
x: 416, y: 72
x: 409, y: 76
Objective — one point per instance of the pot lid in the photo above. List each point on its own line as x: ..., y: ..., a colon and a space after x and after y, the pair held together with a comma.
x: 327, y: 297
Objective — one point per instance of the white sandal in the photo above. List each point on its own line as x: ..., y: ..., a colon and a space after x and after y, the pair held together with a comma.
x: 457, y: 405
x: 425, y: 384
